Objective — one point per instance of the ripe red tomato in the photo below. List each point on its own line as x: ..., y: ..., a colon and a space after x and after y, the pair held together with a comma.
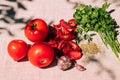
x: 17, y: 49
x: 41, y: 54
x: 36, y: 30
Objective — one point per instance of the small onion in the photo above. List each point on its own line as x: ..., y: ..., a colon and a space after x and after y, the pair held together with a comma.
x: 64, y: 63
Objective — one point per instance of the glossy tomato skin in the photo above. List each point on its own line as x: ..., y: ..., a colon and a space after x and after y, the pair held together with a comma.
x: 17, y: 49
x: 41, y: 54
x: 36, y: 30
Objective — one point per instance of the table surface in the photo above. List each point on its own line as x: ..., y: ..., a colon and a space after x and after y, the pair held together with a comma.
x: 104, y: 67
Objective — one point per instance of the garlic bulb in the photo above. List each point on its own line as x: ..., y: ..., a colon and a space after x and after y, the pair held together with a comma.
x: 64, y: 63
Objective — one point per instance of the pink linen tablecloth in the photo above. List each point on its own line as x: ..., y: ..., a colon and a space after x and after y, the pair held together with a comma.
x: 106, y: 66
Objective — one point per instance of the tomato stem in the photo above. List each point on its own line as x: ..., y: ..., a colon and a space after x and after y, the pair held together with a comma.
x: 33, y: 26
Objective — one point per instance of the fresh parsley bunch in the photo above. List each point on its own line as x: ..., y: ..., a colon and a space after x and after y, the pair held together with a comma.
x: 99, y: 20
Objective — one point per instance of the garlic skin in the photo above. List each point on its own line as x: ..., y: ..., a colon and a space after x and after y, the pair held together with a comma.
x: 80, y: 67
x: 64, y: 63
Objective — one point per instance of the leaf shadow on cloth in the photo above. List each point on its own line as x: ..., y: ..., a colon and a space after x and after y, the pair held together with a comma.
x: 8, y: 13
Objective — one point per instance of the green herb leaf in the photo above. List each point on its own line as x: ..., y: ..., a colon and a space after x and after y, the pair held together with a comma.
x: 79, y: 30
x: 87, y: 37
x: 105, y: 6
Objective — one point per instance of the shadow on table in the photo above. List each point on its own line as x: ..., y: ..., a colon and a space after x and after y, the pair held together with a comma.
x: 76, y: 3
x: 8, y: 13
x: 102, y: 68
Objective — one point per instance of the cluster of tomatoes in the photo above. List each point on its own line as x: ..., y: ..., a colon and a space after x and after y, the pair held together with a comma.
x: 48, y: 42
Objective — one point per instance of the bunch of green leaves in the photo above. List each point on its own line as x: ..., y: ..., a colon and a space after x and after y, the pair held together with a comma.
x: 99, y: 20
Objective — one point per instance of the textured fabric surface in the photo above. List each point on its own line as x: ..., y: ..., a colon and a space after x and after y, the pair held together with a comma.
x: 104, y: 67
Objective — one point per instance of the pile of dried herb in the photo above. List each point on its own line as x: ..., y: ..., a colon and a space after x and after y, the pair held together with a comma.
x: 90, y: 48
